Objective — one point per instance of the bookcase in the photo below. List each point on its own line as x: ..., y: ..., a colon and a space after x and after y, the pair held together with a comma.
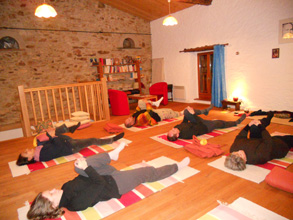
x: 123, y: 76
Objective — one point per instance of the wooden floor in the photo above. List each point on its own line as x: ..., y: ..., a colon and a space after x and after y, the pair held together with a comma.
x: 188, y: 200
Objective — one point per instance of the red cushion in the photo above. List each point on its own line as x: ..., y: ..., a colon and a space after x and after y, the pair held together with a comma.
x: 113, y: 128
x: 84, y: 126
x: 42, y: 137
x: 281, y: 179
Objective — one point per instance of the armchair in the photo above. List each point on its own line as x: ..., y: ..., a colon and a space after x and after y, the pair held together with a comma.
x: 160, y: 89
x: 119, y: 102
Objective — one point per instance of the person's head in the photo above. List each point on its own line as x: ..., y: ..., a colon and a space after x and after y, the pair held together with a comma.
x: 236, y: 160
x: 129, y: 122
x: 173, y: 134
x: 26, y: 157
x: 45, y: 205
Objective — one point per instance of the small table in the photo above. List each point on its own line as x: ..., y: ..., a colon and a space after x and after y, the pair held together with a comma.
x: 236, y: 104
x: 140, y: 96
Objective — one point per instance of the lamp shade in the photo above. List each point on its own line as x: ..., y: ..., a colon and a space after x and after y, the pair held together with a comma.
x: 170, y: 21
x: 45, y: 11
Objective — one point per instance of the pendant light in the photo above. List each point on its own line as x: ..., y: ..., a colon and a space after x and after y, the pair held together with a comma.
x: 170, y: 20
x: 45, y: 11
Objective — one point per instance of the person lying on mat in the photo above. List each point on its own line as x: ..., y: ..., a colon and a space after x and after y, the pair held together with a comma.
x: 259, y: 148
x: 97, y: 181
x: 146, y: 115
x: 59, y: 145
x: 192, y: 124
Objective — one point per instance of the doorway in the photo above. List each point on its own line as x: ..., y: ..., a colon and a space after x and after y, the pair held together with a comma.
x: 205, y: 75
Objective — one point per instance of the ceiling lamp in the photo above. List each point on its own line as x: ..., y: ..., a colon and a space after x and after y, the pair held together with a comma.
x: 170, y: 20
x: 45, y: 11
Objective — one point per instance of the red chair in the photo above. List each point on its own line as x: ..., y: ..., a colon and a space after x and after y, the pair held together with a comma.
x: 160, y: 89
x: 119, y: 102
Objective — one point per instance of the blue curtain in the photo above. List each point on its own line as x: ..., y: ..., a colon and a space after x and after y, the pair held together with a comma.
x: 219, y: 91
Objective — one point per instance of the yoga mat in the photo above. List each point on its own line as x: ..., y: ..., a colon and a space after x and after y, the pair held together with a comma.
x: 104, y: 209
x: 283, y: 121
x: 162, y: 138
x: 256, y: 173
x: 141, y: 128
x: 241, y: 209
x: 88, y: 151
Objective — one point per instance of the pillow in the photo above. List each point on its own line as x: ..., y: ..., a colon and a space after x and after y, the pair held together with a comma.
x: 113, y: 128
x: 84, y: 126
x: 80, y: 114
x: 281, y: 179
x: 42, y: 137
x: 80, y: 118
x: 85, y: 121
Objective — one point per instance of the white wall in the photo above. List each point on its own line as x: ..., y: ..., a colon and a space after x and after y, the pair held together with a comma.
x: 251, y: 28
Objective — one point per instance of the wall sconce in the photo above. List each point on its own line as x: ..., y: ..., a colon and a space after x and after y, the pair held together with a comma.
x: 170, y: 20
x: 45, y: 11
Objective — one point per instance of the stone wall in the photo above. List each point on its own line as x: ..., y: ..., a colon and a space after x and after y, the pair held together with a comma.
x: 58, y: 50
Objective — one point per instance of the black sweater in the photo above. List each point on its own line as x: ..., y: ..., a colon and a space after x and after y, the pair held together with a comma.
x: 259, y: 150
x: 83, y: 192
x: 55, y: 147
x: 191, y: 126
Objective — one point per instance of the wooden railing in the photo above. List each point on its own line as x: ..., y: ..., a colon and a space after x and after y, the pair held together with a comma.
x: 58, y: 102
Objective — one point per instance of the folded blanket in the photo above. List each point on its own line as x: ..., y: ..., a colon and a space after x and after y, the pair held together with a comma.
x: 204, y: 151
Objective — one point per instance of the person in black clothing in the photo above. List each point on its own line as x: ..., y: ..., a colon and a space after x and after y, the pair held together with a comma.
x: 60, y: 145
x: 254, y: 145
x: 192, y: 124
x: 97, y: 182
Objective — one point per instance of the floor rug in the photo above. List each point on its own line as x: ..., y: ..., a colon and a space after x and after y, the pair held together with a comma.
x: 256, y: 173
x: 91, y: 150
x: 104, y: 209
x: 141, y: 128
x: 241, y: 209
x: 162, y: 138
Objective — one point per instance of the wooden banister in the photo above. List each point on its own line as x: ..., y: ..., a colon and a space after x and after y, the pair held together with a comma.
x: 58, y: 102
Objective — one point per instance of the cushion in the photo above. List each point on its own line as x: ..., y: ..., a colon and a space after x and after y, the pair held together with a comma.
x: 79, y: 114
x: 204, y: 151
x: 85, y: 121
x: 281, y: 179
x: 79, y: 118
x: 42, y: 137
x: 84, y: 126
x: 113, y: 128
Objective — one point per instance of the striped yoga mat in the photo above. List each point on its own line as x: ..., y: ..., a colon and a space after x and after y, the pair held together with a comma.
x: 162, y: 138
x: 91, y: 150
x: 240, y: 209
x: 256, y: 173
x: 104, y: 209
x: 141, y: 128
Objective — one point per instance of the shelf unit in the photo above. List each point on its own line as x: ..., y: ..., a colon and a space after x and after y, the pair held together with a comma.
x: 121, y: 73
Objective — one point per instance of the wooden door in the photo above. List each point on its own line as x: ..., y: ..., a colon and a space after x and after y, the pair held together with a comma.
x: 205, y: 75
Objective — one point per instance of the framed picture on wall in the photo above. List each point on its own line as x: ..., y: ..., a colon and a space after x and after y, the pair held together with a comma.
x: 276, y: 53
x: 286, y: 31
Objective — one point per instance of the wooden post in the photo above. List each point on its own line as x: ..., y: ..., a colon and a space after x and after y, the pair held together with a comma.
x: 24, y: 112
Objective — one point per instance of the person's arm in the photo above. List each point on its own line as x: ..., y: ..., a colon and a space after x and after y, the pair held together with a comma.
x: 243, y: 133
x: 90, y: 171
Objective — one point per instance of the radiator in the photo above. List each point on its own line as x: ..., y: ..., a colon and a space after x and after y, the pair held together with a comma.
x: 179, y: 93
